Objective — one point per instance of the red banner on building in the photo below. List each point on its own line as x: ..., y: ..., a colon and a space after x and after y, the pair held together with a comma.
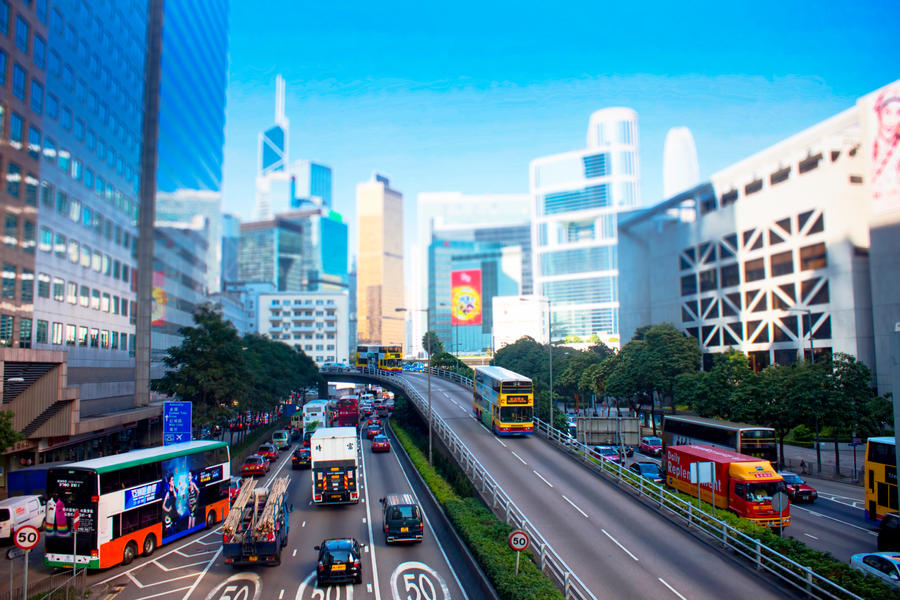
x: 465, y: 289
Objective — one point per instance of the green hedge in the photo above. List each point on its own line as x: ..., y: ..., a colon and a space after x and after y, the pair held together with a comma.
x: 822, y: 563
x: 484, y: 533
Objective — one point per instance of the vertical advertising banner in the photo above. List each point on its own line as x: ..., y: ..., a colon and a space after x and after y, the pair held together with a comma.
x: 159, y: 298
x: 884, y: 144
x: 465, y: 290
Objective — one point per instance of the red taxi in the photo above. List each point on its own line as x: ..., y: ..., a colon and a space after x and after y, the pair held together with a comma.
x: 268, y: 451
x: 255, y: 465
x: 380, y: 443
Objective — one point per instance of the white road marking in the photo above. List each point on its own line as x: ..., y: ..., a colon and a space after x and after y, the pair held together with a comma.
x: 364, y: 519
x: 671, y: 589
x: 202, y: 575
x: 542, y: 478
x: 369, y: 587
x: 501, y: 442
x: 616, y: 542
x: 521, y: 460
x: 303, y: 524
x: 818, y: 514
x: 281, y: 594
x: 371, y: 537
x: 575, y: 506
x: 810, y: 535
x: 294, y: 554
x: 162, y: 593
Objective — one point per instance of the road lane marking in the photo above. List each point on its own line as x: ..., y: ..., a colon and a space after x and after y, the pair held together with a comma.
x: 542, y: 478
x: 501, y: 442
x: 810, y: 535
x: 521, y: 460
x: 671, y: 589
x: 281, y: 594
x: 575, y: 506
x: 616, y: 542
x: 303, y: 524
x: 369, y: 587
x: 294, y: 554
x: 818, y: 514
x: 161, y: 594
x: 203, y: 574
x: 371, y: 536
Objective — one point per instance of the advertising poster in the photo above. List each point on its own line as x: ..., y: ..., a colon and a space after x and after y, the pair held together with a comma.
x: 182, y: 506
x: 883, y: 108
x: 465, y: 292
x: 160, y: 299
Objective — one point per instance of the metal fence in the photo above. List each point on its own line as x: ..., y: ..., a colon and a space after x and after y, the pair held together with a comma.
x: 60, y: 584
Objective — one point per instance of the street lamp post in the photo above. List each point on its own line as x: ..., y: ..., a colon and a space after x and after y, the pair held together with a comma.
x: 812, y: 361
x: 427, y: 312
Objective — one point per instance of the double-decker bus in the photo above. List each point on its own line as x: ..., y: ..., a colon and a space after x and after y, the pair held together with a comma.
x: 385, y: 358
x: 881, y: 477
x: 503, y: 401
x: 682, y: 430
x: 346, y: 412
x: 131, y: 503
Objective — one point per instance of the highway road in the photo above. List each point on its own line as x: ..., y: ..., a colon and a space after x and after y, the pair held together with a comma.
x: 193, y: 569
x: 618, y: 547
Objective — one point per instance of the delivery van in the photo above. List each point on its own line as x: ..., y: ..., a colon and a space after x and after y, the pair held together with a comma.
x: 18, y: 511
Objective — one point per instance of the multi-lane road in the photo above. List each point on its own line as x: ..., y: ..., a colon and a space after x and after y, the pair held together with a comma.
x: 618, y: 547
x: 194, y: 569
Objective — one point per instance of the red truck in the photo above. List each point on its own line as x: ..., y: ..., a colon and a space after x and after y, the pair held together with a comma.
x: 744, y: 484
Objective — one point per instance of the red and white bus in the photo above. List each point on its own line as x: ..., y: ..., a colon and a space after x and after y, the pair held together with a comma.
x: 131, y: 503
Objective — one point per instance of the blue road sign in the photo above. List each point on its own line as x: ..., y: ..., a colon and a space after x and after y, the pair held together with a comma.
x: 176, y: 422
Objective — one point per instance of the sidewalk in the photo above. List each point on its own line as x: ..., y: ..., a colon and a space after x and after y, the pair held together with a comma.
x: 848, y: 474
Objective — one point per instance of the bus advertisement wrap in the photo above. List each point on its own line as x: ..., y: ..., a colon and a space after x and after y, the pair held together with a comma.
x: 182, y: 477
x: 465, y: 290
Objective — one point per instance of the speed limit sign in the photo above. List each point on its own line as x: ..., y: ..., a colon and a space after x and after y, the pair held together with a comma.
x: 518, y: 540
x: 27, y: 537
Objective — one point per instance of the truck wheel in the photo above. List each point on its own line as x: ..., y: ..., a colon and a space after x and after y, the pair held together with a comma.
x: 211, y: 518
x: 149, y: 544
x: 129, y: 553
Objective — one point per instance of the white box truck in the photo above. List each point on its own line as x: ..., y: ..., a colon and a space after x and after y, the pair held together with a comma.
x: 334, y: 460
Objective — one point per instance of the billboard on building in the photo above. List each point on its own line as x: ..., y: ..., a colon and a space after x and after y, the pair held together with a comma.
x: 160, y: 299
x: 465, y: 290
x: 883, y: 127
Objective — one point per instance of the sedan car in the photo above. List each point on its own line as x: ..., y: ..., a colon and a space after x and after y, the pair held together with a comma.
x: 607, y: 454
x: 234, y: 487
x: 268, y: 450
x: 339, y: 560
x: 650, y: 445
x: 797, y: 489
x: 647, y: 470
x: 373, y: 430
x: 884, y: 565
x: 300, y: 458
x: 380, y: 443
x: 255, y: 465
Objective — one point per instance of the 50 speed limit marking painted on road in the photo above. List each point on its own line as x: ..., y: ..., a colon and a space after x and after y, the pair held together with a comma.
x: 419, y: 582
x: 240, y: 586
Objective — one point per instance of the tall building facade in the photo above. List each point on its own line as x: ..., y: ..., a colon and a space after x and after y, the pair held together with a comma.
x: 272, y: 178
x: 681, y: 170
x: 379, y: 275
x: 790, y: 249
x: 313, y: 322
x: 502, y: 218
x: 231, y: 239
x: 311, y: 184
x: 576, y: 197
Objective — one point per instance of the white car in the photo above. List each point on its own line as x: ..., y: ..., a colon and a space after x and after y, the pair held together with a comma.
x: 884, y: 565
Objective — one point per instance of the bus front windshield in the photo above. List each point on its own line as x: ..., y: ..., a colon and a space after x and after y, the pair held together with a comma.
x: 516, y: 414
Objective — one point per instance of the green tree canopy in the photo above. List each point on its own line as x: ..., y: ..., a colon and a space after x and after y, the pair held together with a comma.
x: 432, y: 343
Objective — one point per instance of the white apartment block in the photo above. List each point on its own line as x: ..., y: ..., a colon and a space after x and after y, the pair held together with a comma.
x: 315, y: 322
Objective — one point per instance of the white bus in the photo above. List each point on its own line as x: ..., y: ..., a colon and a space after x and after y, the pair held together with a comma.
x: 315, y: 410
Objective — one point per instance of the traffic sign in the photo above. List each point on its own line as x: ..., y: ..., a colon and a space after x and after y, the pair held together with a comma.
x: 27, y: 537
x: 518, y: 540
x: 76, y: 519
x: 176, y: 422
x: 780, y: 501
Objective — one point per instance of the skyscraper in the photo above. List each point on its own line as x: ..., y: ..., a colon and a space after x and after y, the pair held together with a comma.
x: 576, y: 197
x: 231, y: 236
x: 273, y: 178
x: 379, y: 209
x: 311, y: 184
x: 680, y: 169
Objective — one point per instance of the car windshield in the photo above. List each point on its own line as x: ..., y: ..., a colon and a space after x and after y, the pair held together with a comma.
x: 608, y: 451
x: 792, y: 479
x: 653, y: 441
x: 648, y: 468
x: 380, y: 438
x: 253, y: 460
x: 404, y: 512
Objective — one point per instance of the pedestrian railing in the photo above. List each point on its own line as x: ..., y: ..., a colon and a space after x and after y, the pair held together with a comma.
x: 798, y: 576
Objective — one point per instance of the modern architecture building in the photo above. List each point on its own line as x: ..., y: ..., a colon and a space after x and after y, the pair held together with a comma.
x: 464, y: 278
x: 179, y: 285
x: 680, y: 168
x: 301, y: 250
x: 379, y: 276
x: 515, y: 317
x: 231, y: 239
x: 235, y: 310
x: 273, y: 178
x: 576, y: 197
x: 504, y: 218
x: 790, y: 249
x: 311, y: 184
x: 313, y: 322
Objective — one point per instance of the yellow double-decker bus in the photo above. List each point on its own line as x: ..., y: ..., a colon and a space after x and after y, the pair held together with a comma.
x: 881, y: 477
x: 503, y: 401
x: 384, y: 358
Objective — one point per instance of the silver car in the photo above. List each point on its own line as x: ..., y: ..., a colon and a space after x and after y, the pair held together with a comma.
x: 884, y: 565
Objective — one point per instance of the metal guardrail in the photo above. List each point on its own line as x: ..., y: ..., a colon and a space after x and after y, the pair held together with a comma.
x: 550, y: 562
x: 798, y: 576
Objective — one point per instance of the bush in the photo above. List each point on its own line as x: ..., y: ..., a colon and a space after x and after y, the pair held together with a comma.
x: 800, y: 433
x: 484, y: 533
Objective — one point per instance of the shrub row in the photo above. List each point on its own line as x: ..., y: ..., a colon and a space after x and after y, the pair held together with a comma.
x: 484, y: 534
x: 823, y: 563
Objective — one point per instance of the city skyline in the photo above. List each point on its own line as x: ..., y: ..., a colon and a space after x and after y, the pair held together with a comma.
x: 471, y: 120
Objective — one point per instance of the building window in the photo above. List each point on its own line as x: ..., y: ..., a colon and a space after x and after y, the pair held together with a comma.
x: 70, y: 335
x: 2, y: 68
x: 95, y: 299
x: 26, y: 290
x: 37, y: 97
x: 42, y: 333
x: 52, y: 107
x: 59, y: 245
x: 114, y: 340
x: 6, y: 330
x: 84, y: 298
x: 11, y: 230
x: 708, y: 280
x: 782, y: 263
x: 9, y: 282
x: 104, y: 302
x: 82, y: 336
x: 59, y: 289
x: 57, y: 333
x: 4, y: 17
x: 13, y: 178
x: 754, y: 270
x: 19, y: 82
x: 688, y: 285
x: 85, y: 257
x: 43, y: 285
x: 22, y: 35
x: 95, y: 338
x: 24, y: 333
x: 34, y: 142
x: 813, y: 257
x: 39, y: 53
x: 28, y: 237
x: 72, y: 292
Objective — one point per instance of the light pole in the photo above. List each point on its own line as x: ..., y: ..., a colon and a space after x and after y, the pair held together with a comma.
x: 427, y: 312
x: 812, y: 361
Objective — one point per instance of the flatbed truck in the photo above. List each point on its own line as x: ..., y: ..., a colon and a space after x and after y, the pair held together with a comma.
x: 256, y: 528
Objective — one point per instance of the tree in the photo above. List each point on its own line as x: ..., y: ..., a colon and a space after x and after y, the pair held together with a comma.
x: 8, y: 433
x: 712, y: 393
x: 849, y: 385
x: 432, y: 343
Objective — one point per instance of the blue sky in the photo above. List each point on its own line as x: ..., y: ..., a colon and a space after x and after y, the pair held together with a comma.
x: 461, y: 96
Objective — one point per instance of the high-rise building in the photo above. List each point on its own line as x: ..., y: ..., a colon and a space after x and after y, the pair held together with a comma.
x: 313, y: 322
x: 311, y: 184
x: 680, y: 169
x: 379, y: 277
x: 502, y: 218
x: 273, y: 179
x: 577, y: 196
x: 231, y: 238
